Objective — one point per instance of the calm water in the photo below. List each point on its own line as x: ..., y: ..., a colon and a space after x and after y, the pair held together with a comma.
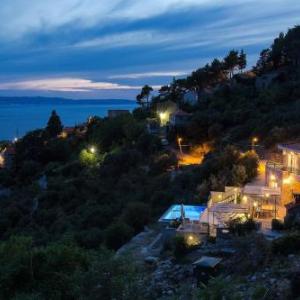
x: 20, y: 115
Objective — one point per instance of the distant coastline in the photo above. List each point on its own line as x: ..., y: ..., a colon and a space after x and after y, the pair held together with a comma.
x: 18, y: 115
x: 57, y: 100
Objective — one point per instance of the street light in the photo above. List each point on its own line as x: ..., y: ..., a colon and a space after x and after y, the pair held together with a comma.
x: 162, y: 117
x: 255, y: 204
x: 179, y: 140
x: 253, y: 142
x: 93, y: 150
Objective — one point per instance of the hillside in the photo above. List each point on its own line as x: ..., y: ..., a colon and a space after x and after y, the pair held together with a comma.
x: 69, y: 199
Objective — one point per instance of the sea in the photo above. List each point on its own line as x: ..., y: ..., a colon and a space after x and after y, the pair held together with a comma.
x: 23, y: 114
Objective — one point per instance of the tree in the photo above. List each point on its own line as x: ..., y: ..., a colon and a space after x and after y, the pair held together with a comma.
x: 264, y: 59
x: 242, y: 60
x: 146, y: 91
x: 137, y: 215
x: 117, y: 235
x: 231, y: 61
x: 54, y: 125
x: 217, y: 68
x: 139, y: 100
x: 292, y: 45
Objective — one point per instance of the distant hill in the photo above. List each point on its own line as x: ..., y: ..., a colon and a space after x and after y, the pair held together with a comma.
x: 49, y: 100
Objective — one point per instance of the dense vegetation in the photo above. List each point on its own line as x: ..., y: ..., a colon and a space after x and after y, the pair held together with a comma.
x: 73, y: 197
x: 263, y: 102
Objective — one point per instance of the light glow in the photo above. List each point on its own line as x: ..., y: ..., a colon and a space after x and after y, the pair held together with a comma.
x: 93, y: 150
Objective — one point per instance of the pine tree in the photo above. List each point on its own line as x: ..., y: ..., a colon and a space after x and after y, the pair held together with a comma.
x: 231, y: 61
x: 54, y: 125
x: 242, y: 60
x: 146, y: 91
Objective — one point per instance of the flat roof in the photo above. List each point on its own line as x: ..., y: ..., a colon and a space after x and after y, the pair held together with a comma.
x: 207, y: 261
x: 295, y: 147
x: 191, y: 212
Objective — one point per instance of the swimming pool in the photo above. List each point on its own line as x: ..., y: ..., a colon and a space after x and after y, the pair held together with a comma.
x: 192, y: 212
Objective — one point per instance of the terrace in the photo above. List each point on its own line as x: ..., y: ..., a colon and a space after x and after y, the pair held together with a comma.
x: 277, y: 166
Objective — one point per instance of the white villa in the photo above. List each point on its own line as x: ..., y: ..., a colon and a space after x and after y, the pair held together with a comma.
x: 276, y: 187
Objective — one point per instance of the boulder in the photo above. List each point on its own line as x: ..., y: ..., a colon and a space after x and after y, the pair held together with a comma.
x: 151, y: 260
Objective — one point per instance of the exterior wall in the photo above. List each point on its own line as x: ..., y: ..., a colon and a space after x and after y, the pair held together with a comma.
x: 178, y: 120
x: 166, y: 108
x: 288, y: 182
x: 291, y: 160
x: 290, y: 186
x: 273, y: 176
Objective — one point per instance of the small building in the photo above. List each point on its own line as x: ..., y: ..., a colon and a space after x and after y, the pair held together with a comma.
x: 190, y: 97
x: 153, y: 126
x: 265, y: 80
x: 164, y: 111
x: 7, y: 156
x: 67, y: 131
x: 180, y: 118
x: 78, y: 131
x: 205, y: 268
x: 113, y: 113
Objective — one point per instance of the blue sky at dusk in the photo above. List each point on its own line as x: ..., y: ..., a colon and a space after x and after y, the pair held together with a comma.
x: 110, y: 48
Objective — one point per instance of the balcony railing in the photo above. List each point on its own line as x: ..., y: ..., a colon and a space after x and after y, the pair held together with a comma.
x: 280, y: 167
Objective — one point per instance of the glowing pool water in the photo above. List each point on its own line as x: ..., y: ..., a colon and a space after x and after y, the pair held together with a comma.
x: 192, y: 212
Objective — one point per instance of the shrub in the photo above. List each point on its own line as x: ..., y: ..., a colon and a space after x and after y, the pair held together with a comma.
x: 238, y: 227
x: 292, y: 222
x: 277, y: 224
x: 137, y: 215
x: 211, y: 239
x: 180, y: 247
x: 287, y: 244
x: 117, y: 235
x: 217, y: 288
x: 90, y: 239
x: 295, y: 285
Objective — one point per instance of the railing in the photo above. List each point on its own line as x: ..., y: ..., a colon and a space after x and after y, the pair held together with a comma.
x: 280, y: 167
x: 275, y: 165
x: 229, y: 196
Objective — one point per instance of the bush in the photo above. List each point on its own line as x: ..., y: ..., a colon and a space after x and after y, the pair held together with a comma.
x: 137, y: 215
x: 238, y: 227
x: 287, y: 244
x: 90, y: 239
x: 292, y: 222
x: 117, y: 235
x: 180, y: 247
x: 295, y: 285
x: 277, y: 224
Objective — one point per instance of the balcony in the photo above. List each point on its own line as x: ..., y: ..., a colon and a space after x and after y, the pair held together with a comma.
x: 280, y: 167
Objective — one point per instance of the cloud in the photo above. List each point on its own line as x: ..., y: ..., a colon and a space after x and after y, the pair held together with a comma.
x: 150, y: 74
x: 65, y: 85
x: 18, y: 17
x: 136, y: 41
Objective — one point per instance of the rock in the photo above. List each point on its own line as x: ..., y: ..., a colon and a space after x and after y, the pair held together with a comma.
x: 253, y: 278
x: 151, y: 260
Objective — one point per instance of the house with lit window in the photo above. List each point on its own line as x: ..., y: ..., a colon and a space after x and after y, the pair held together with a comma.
x: 275, y: 193
x: 164, y: 110
x: 285, y: 173
x: 180, y: 118
x: 7, y: 156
